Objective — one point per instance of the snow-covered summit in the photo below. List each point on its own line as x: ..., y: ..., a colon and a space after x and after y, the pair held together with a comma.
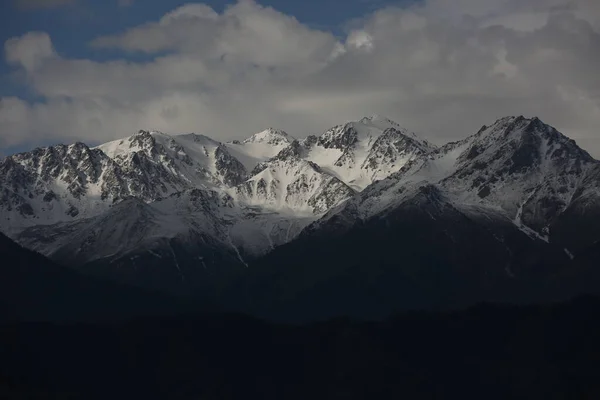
x: 379, y: 121
x: 383, y: 123
x: 270, y: 136
x: 179, y: 161
x: 59, y: 183
x: 362, y: 152
x: 259, y: 147
x: 271, y: 185
x: 517, y: 166
x: 293, y: 185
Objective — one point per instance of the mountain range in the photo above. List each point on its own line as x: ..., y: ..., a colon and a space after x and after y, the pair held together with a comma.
x: 362, y: 219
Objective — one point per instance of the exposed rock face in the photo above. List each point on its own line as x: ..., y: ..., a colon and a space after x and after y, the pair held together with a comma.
x: 518, y: 188
x: 521, y: 167
x: 362, y: 152
x: 290, y: 183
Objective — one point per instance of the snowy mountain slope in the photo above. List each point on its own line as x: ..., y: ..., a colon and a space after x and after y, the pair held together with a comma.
x: 203, y: 222
x: 66, y: 183
x: 129, y: 224
x: 187, y: 204
x: 271, y: 137
x: 364, y: 151
x: 70, y: 196
x: 292, y: 185
x: 177, y: 244
x: 426, y: 252
x: 178, y: 162
x: 520, y: 164
x: 577, y: 227
x: 258, y: 232
x: 259, y: 147
x: 61, y: 183
x: 238, y: 218
x: 133, y: 226
x: 521, y: 167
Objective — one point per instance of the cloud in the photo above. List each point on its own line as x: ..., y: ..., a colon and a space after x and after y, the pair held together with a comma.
x: 29, y: 51
x: 442, y: 68
x: 37, y: 4
x: 246, y: 33
x: 125, y: 3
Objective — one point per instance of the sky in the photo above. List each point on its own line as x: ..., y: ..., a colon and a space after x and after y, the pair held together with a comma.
x: 93, y: 71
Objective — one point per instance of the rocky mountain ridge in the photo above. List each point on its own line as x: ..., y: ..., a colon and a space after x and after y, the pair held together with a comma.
x: 261, y: 187
x: 520, y: 167
x: 187, y: 204
x: 505, y: 215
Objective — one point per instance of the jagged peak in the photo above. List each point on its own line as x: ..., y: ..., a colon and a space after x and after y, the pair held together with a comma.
x: 152, y: 132
x: 515, y: 126
x: 79, y: 148
x: 148, y: 136
x: 142, y: 136
x: 270, y: 136
x: 520, y: 144
x: 143, y: 133
x: 380, y: 122
x: 142, y: 140
x: 55, y: 150
x: 383, y: 123
x: 198, y: 138
x: 340, y: 136
x: 514, y: 121
x: 78, y: 145
x: 377, y: 118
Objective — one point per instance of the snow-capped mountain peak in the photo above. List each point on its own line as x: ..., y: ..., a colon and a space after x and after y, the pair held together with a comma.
x: 57, y: 183
x: 270, y: 186
x: 259, y: 147
x: 521, y: 146
x: 178, y: 162
x: 379, y: 121
x: 383, y: 123
x: 293, y: 185
x: 521, y: 131
x: 519, y: 167
x: 270, y: 136
x: 362, y: 152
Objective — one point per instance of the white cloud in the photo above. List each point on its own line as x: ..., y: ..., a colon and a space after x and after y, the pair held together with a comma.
x: 245, y: 33
x: 30, y: 50
x: 443, y: 68
x: 360, y: 40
